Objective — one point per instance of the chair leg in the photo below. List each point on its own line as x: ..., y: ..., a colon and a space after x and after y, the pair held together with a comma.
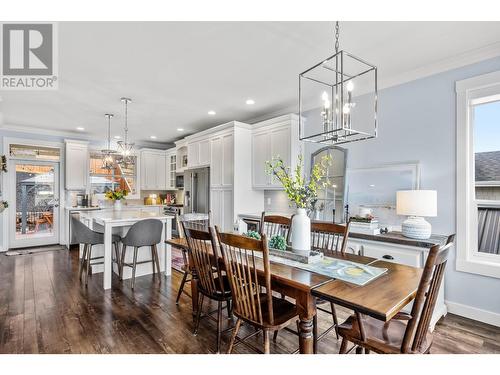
x: 117, y: 256
x: 157, y: 261
x: 315, y: 334
x: 359, y: 349
x: 267, y: 343
x: 89, y: 255
x: 153, y: 261
x: 343, y: 346
x: 198, y: 314
x: 367, y: 351
x: 124, y: 251
x: 229, y: 307
x: 134, y: 266
x: 233, y: 336
x: 83, y: 261
x: 275, y: 335
x: 335, y: 320
x: 219, y: 325
x: 181, y: 288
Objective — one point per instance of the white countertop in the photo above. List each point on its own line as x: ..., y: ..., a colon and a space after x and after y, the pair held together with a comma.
x: 122, y: 216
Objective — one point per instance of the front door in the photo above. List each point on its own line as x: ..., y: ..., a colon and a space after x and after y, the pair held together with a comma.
x: 34, y: 216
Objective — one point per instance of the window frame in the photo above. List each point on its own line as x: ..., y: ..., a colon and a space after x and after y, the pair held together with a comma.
x: 470, y: 92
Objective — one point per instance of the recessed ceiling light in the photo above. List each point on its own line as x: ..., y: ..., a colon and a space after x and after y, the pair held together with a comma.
x: 153, y: 137
x: 180, y: 129
x: 80, y: 128
x: 117, y: 137
x: 211, y: 113
x: 250, y: 102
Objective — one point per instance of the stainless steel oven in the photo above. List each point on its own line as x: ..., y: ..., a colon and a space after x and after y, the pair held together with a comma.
x: 179, y: 181
x: 173, y: 211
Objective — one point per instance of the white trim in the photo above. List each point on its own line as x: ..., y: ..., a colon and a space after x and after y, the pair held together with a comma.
x: 468, y: 258
x: 485, y: 316
x: 7, y: 141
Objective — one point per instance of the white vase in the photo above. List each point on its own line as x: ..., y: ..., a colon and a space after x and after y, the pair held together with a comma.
x: 118, y: 204
x: 301, y: 231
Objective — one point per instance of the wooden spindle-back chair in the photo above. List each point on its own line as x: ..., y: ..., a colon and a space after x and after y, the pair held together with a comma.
x: 405, y: 333
x: 248, y: 268
x: 272, y: 225
x: 212, y: 283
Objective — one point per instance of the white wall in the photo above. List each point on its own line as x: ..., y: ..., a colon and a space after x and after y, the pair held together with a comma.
x: 417, y: 122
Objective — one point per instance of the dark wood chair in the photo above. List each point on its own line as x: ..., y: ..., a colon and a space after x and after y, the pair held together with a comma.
x: 212, y: 283
x: 261, y: 310
x: 331, y: 240
x: 200, y: 224
x: 405, y: 333
x: 272, y: 225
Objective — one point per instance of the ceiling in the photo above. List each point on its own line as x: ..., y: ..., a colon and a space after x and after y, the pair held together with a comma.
x: 176, y: 72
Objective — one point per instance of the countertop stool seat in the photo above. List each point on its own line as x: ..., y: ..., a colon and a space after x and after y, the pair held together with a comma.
x: 141, y: 234
x: 82, y: 234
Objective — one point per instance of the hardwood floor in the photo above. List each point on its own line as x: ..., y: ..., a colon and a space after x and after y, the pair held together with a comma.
x: 45, y: 309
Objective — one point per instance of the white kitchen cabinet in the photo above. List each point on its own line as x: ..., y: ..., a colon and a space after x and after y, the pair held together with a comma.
x: 171, y: 167
x: 216, y: 163
x: 193, y: 154
x: 76, y: 165
x: 277, y: 137
x: 221, y: 207
x: 153, y: 170
x: 204, y: 152
x: 222, y: 160
x: 198, y: 153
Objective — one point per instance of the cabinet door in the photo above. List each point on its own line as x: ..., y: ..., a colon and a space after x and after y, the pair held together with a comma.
x: 216, y: 161
x: 204, y: 150
x: 261, y: 145
x: 280, y: 146
x: 167, y: 172
x: 393, y: 254
x: 148, y: 168
x: 172, y: 170
x: 227, y: 160
x: 76, y: 166
x: 215, y: 207
x: 227, y: 210
x: 161, y: 172
x: 193, y: 154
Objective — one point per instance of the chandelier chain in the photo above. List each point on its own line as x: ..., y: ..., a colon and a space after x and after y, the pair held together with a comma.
x: 337, y: 28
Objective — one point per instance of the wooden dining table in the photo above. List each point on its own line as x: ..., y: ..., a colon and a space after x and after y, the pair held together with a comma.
x: 382, y: 298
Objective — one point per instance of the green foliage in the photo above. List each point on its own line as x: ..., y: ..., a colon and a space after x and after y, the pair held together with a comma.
x: 301, y: 193
x: 117, y: 194
x: 253, y: 234
x: 277, y: 242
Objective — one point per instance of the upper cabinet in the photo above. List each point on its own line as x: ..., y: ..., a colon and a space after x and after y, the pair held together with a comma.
x: 198, y: 153
x: 222, y: 160
x: 171, y: 168
x: 277, y: 137
x: 153, y: 169
x: 77, y: 166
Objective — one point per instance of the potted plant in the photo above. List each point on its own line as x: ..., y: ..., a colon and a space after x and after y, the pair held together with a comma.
x: 302, y: 194
x: 117, y: 196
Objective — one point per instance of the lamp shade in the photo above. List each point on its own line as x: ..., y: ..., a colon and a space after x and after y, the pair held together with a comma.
x: 416, y: 202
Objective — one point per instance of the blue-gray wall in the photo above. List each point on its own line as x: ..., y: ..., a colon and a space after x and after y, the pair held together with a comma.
x: 417, y: 122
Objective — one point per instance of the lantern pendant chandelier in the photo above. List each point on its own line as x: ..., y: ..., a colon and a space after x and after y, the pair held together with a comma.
x: 125, y: 148
x: 329, y: 111
x: 107, y: 154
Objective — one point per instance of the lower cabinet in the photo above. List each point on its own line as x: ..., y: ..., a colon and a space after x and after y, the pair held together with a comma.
x: 221, y: 207
x: 407, y: 255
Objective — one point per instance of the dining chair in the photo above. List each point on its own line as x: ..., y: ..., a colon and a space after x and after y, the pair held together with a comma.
x: 404, y: 333
x: 199, y: 222
x: 272, y: 225
x: 331, y: 240
x: 212, y: 283
x: 81, y: 234
x: 143, y: 233
x: 261, y: 310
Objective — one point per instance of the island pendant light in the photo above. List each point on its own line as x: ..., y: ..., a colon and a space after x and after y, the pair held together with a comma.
x: 338, y: 99
x: 107, y: 154
x: 125, y: 148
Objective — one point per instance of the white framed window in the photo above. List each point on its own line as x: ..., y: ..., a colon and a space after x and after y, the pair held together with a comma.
x: 478, y: 175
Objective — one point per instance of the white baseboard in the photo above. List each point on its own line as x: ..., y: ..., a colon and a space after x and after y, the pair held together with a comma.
x: 474, y: 313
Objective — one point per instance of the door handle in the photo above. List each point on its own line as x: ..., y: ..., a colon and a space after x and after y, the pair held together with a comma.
x: 390, y: 257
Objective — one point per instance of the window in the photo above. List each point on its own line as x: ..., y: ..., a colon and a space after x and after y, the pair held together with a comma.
x: 478, y: 175
x: 102, y: 180
x: 29, y: 152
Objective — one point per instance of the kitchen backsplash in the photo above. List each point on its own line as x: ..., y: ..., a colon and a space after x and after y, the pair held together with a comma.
x: 277, y: 201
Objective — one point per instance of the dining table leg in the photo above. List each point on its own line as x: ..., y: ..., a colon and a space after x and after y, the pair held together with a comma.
x: 107, y: 256
x: 194, y: 292
x: 307, y: 311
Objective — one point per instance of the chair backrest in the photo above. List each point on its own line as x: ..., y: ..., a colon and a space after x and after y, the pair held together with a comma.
x: 82, y: 234
x: 193, y: 221
x: 144, y: 233
x: 329, y: 238
x: 425, y: 300
x: 204, y: 255
x: 241, y: 264
x: 272, y: 225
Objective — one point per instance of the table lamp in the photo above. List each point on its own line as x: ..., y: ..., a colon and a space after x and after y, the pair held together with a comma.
x: 416, y: 204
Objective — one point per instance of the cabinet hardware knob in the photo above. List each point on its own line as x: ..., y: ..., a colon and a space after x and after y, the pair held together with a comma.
x: 390, y: 257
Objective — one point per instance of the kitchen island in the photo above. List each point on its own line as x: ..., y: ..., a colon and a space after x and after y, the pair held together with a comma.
x: 118, y: 222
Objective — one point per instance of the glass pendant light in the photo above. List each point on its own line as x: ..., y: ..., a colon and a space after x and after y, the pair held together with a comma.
x: 338, y: 99
x: 125, y: 148
x: 107, y: 154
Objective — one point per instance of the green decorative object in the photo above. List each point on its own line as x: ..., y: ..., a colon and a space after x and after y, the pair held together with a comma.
x: 3, y: 205
x: 277, y: 242
x: 253, y: 234
x: 4, y: 163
